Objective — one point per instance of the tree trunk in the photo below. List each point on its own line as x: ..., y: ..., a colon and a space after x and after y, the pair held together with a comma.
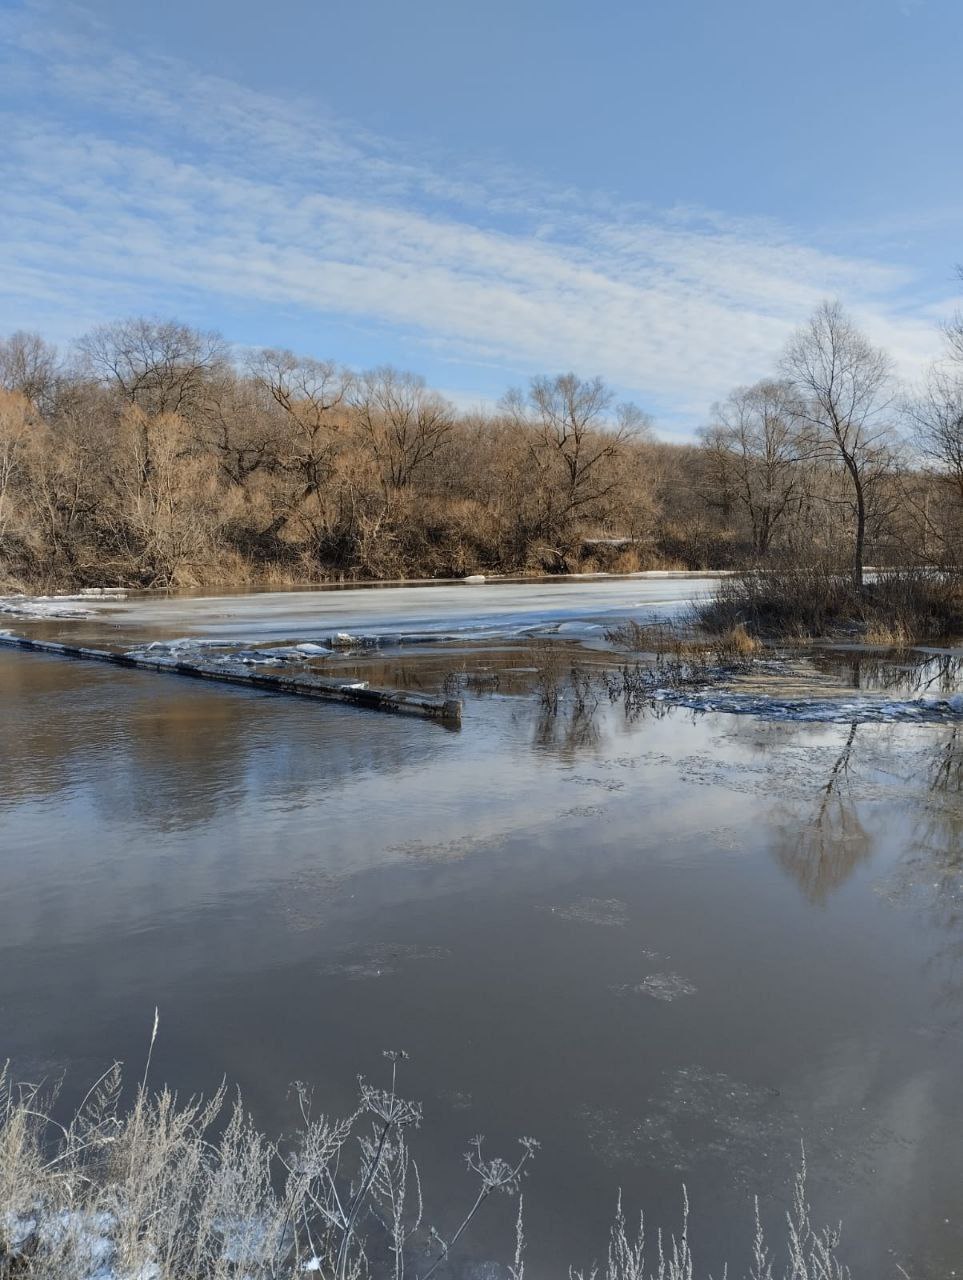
x: 860, y: 533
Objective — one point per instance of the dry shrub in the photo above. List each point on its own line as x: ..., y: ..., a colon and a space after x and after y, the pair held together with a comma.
x: 627, y: 561
x: 895, y: 607
x: 680, y: 643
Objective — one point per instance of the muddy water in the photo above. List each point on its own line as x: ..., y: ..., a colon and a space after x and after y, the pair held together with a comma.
x: 670, y: 946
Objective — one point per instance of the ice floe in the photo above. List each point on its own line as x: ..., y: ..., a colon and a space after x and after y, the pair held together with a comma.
x: 43, y: 607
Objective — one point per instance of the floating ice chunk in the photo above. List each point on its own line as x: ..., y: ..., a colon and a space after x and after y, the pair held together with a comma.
x: 474, y: 577
x: 42, y: 607
x: 312, y: 649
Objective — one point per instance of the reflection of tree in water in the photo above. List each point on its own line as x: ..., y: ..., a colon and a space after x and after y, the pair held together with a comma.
x: 933, y: 866
x: 946, y: 769
x: 567, y: 722
x: 907, y: 674
x: 569, y: 717
x: 823, y: 853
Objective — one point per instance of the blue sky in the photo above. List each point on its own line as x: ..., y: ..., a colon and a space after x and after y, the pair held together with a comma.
x: 653, y: 192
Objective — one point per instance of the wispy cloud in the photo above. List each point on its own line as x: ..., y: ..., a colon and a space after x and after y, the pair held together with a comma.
x: 137, y: 184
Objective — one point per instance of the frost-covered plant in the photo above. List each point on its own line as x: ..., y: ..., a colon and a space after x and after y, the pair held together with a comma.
x: 171, y: 1189
x: 810, y: 1252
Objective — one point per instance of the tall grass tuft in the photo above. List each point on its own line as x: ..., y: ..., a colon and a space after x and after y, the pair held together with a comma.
x: 172, y: 1189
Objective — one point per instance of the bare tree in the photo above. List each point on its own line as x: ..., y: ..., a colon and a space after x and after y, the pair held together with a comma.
x: 405, y: 423
x: 166, y: 509
x: 28, y: 366
x: 160, y: 366
x: 953, y: 329
x: 244, y: 427
x: 15, y: 427
x: 755, y: 446
x: 312, y: 394
x: 846, y: 387
x: 577, y: 435
x: 937, y: 419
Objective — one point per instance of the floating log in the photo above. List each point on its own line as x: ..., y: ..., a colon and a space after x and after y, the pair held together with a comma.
x: 303, y: 685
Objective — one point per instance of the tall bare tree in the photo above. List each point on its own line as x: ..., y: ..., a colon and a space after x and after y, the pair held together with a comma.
x: 161, y: 366
x: 577, y: 434
x: 936, y: 422
x: 846, y: 388
x: 404, y: 423
x: 937, y: 418
x: 755, y: 445
x: 313, y: 396
x: 28, y: 366
x: 16, y: 414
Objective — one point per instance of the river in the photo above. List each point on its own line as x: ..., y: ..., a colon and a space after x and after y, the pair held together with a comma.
x: 670, y: 944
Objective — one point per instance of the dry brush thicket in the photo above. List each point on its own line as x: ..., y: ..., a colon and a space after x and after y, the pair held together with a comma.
x: 148, y: 455
x: 171, y: 1189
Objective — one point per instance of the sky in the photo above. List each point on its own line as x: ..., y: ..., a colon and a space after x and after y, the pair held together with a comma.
x: 653, y: 191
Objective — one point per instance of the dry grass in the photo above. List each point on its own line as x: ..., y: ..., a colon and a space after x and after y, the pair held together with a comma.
x: 895, y: 607
x: 727, y: 647
x: 171, y: 1189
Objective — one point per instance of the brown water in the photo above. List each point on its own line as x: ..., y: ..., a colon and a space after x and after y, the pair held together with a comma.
x: 670, y: 947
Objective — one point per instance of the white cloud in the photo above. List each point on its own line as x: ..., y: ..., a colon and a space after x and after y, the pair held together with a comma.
x: 147, y: 182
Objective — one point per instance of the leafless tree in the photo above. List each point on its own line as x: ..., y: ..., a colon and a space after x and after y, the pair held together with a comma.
x: 405, y: 423
x: 312, y: 394
x: 161, y: 366
x: 576, y: 435
x: 937, y: 418
x: 953, y: 330
x: 15, y: 428
x: 755, y: 446
x: 845, y: 384
x: 28, y: 365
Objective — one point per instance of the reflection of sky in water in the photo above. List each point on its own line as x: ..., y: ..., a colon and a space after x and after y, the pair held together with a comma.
x: 669, y: 948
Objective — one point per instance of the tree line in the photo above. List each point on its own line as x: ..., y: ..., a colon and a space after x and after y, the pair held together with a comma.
x: 149, y: 455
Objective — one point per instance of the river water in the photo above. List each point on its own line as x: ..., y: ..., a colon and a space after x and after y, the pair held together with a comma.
x: 671, y: 945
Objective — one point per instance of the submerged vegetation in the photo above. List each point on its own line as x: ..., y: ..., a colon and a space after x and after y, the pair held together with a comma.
x: 168, y: 1189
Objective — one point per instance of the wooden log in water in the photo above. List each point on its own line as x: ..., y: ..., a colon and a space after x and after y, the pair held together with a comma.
x: 302, y: 685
